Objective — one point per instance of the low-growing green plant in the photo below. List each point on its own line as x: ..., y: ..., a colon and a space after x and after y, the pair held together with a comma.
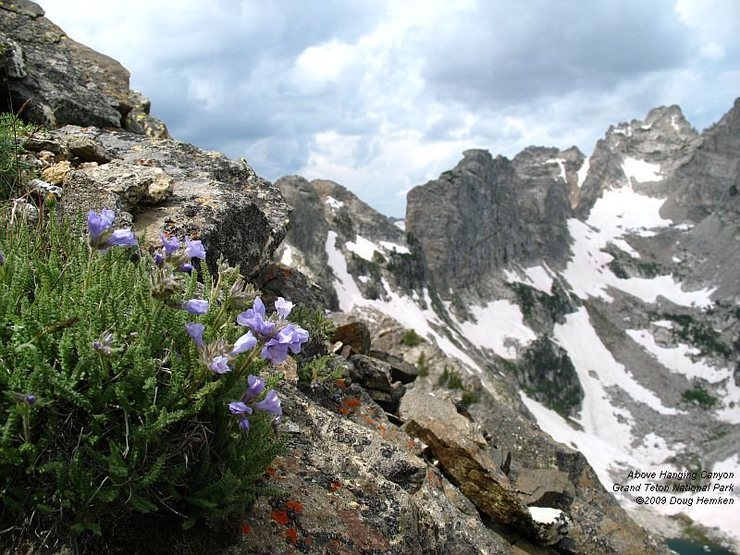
x: 422, y: 365
x: 411, y: 338
x: 451, y: 378
x: 320, y: 370
x: 129, y: 386
x: 314, y: 320
x: 700, y: 396
x: 12, y: 131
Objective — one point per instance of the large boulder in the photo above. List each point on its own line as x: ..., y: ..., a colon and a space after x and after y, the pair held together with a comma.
x: 161, y: 184
x: 53, y: 81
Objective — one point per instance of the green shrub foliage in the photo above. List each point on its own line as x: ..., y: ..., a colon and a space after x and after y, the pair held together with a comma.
x: 12, y: 130
x: 108, y: 406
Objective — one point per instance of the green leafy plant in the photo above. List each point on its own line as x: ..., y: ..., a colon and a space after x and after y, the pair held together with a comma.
x: 422, y: 364
x: 451, y: 378
x: 411, y: 338
x: 129, y: 384
x: 700, y: 396
x: 12, y: 131
x: 321, y: 370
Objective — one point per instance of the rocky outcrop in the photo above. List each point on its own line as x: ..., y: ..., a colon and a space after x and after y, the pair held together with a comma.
x: 467, y: 222
x: 330, y: 219
x: 488, y: 213
x: 53, y: 81
x: 161, y: 184
x: 663, y: 138
x: 705, y: 191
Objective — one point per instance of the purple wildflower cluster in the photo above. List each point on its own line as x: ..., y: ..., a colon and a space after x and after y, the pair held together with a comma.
x: 248, y: 403
x: 279, y: 335
x: 276, y: 335
x: 178, y: 257
x: 270, y: 336
x: 101, y: 235
x: 171, y: 259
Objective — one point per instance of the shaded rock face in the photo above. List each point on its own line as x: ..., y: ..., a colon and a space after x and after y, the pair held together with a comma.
x: 327, y: 218
x: 488, y: 213
x: 161, y: 184
x: 467, y: 222
x: 54, y: 81
x: 705, y: 191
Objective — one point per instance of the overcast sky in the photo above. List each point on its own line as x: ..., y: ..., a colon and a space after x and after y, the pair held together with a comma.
x: 384, y: 95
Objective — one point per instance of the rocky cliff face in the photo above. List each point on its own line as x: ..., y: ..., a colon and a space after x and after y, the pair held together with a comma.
x: 51, y: 80
x: 488, y: 213
x: 705, y: 193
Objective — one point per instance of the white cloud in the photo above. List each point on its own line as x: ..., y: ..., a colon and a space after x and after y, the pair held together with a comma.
x: 381, y: 96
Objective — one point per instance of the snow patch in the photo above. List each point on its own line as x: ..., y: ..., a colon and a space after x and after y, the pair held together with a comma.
x: 561, y: 163
x: 679, y: 359
x: 545, y: 515
x: 499, y: 326
x: 348, y: 293
x: 583, y: 172
x: 597, y: 370
x: 540, y: 277
x: 402, y: 308
x: 640, y: 171
x: 333, y: 203
x: 393, y: 247
x: 287, y: 257
x: 362, y: 247
x: 616, y: 213
x: 400, y: 224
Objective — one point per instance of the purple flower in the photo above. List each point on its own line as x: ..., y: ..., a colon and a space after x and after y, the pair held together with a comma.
x: 294, y: 336
x: 271, y: 404
x: 159, y: 260
x: 245, y: 343
x: 29, y: 399
x: 256, y: 385
x: 290, y: 338
x: 169, y: 245
x: 275, y: 351
x: 121, y: 238
x: 244, y: 424
x: 283, y: 307
x: 186, y: 268
x: 104, y: 344
x: 196, y: 306
x: 101, y: 237
x: 98, y: 224
x: 219, y: 365
x: 238, y: 407
x: 254, y: 318
x: 2, y: 258
x: 194, y: 249
x: 195, y: 331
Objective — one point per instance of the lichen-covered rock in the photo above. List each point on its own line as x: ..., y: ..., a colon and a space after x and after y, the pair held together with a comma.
x: 134, y: 185
x: 436, y: 422
x: 349, y: 490
x: 161, y: 184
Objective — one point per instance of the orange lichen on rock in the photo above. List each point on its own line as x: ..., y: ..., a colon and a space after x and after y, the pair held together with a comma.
x: 281, y: 517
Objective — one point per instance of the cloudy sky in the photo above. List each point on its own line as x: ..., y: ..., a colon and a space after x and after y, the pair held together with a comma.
x: 382, y: 95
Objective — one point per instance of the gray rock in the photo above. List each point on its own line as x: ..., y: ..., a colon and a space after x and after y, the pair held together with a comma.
x: 56, y: 80
x: 488, y: 213
x: 173, y: 186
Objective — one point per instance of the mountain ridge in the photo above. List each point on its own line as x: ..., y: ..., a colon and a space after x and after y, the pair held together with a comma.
x: 553, y: 249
